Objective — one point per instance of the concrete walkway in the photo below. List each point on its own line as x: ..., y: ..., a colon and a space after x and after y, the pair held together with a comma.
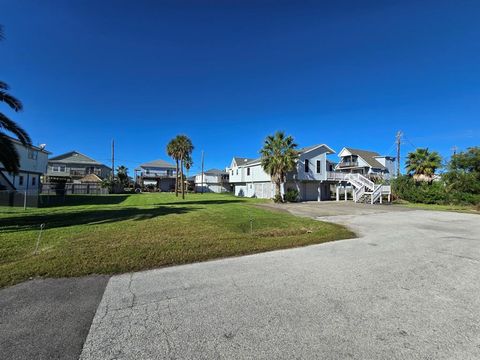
x: 408, y: 288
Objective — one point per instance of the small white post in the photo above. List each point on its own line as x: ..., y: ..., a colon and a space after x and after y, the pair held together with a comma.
x: 337, y: 192
x: 381, y: 199
x: 389, y: 198
x: 345, y: 189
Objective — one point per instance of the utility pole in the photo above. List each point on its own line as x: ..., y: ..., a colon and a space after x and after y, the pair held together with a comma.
x: 399, y: 142
x: 202, y: 171
x: 113, y: 159
x: 454, y: 150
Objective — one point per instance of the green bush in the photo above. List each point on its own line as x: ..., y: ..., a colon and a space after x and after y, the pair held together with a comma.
x: 437, y: 192
x: 292, y: 195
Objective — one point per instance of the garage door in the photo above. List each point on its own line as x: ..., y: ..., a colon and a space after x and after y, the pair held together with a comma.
x: 311, y: 192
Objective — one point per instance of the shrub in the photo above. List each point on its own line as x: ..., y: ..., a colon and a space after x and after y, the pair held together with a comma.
x: 277, y: 199
x: 437, y: 192
x: 292, y: 195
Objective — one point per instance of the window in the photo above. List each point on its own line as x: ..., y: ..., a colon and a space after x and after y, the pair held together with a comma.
x: 306, y: 165
x: 32, y: 154
x: 248, y: 171
x: 319, y: 166
x: 20, y: 180
x: 58, y: 168
x: 34, y: 180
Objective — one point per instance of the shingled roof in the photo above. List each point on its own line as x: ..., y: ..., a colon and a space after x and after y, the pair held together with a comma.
x: 158, y: 164
x: 74, y: 157
x: 242, y: 161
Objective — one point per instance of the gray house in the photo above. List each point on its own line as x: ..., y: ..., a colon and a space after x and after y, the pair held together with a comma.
x: 158, y: 175
x: 75, y: 166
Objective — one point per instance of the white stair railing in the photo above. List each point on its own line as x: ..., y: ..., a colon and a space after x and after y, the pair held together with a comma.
x: 376, y: 194
x: 359, y: 193
x: 359, y: 180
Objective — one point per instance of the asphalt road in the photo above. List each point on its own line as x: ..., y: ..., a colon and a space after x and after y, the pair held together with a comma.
x: 408, y: 288
x: 48, y: 319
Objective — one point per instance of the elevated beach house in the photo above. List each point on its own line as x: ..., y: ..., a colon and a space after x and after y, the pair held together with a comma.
x: 33, y: 164
x: 158, y: 175
x: 213, y: 180
x: 312, y: 177
x: 76, y: 167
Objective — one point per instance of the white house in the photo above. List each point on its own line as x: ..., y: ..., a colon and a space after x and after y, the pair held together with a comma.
x: 312, y: 176
x: 33, y: 164
x: 368, y: 163
x: 213, y: 180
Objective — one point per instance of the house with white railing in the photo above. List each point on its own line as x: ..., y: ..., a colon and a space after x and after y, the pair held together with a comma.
x: 317, y: 178
x: 158, y: 174
x: 310, y: 178
x: 213, y: 180
x: 365, y: 162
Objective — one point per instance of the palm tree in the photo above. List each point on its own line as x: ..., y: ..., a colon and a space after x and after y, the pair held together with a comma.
x: 173, y: 152
x: 122, y: 174
x: 185, y: 148
x: 8, y: 153
x: 188, y: 165
x: 422, y: 164
x: 279, y: 157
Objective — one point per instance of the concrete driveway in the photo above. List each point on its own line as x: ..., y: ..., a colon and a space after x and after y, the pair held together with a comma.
x: 408, y: 288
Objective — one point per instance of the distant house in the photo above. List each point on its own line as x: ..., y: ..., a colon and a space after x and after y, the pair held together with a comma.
x: 368, y: 163
x: 33, y: 164
x: 213, y: 180
x: 312, y: 177
x: 158, y: 174
x: 74, y: 167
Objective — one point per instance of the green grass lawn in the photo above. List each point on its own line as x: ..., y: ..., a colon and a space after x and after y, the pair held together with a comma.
x: 121, y: 233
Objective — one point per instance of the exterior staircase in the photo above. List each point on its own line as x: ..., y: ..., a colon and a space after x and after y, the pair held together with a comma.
x: 365, y: 190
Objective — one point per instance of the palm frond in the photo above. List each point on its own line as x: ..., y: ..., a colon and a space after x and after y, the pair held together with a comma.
x: 8, y: 154
x: 4, y: 85
x: 11, y: 101
x: 14, y: 128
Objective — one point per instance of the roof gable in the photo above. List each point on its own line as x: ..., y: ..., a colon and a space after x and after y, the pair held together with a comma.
x: 368, y: 156
x: 74, y: 157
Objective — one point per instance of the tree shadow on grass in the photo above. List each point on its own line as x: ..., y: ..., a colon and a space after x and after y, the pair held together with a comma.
x: 77, y: 200
x: 204, y: 202
x: 86, y: 217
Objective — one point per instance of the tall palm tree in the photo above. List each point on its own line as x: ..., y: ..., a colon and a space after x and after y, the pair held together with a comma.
x: 8, y: 153
x: 422, y: 164
x: 174, y: 153
x: 122, y: 174
x: 188, y: 165
x: 279, y: 156
x: 185, y: 148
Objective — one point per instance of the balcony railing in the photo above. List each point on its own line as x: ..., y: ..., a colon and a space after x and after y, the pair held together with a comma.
x: 156, y: 175
x: 345, y: 164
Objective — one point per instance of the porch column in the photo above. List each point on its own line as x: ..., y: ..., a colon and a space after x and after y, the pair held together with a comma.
x: 319, y: 193
x: 337, y: 192
x: 345, y: 189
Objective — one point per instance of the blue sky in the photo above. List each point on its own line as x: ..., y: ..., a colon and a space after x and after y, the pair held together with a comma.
x: 227, y: 73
